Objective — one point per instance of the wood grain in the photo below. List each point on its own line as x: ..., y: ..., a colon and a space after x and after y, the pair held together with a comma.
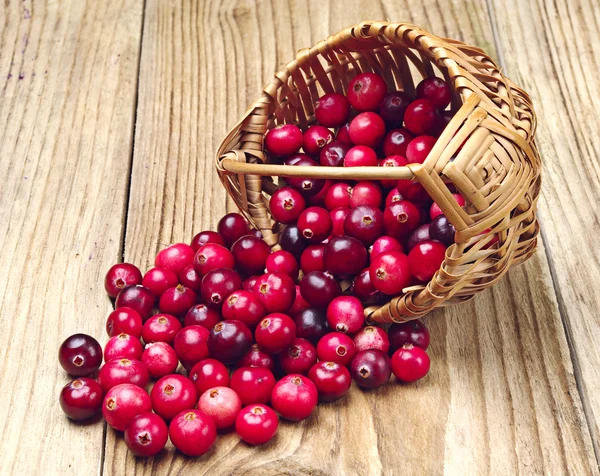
x: 68, y: 73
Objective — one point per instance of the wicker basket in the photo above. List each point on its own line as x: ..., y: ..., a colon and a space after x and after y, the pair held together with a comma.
x: 497, y: 169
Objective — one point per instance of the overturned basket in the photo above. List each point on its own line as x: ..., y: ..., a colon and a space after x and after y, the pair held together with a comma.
x: 487, y: 152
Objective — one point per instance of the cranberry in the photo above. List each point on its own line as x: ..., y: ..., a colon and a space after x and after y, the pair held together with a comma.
x: 396, y: 141
x: 229, y: 341
x: 120, y: 276
x: 193, y: 432
x: 413, y: 191
x: 119, y: 371
x: 276, y: 291
x: 393, y: 196
x: 311, y: 324
x: 137, y: 297
x: 390, y: 272
x: 284, y: 139
x: 436, y: 90
x: 332, y: 110
x: 257, y: 358
x: 222, y: 404
x: 160, y: 359
x: 346, y: 314
x: 366, y: 193
x: 250, y: 254
x: 249, y: 283
x: 80, y: 355
x: 366, y: 91
x: 371, y: 368
x: 146, y: 435
x: 338, y: 216
x: 360, y: 156
x: 158, y: 280
x: 161, y: 328
x: 298, y: 358
x: 372, y: 338
x: 336, y: 347
x: 123, y: 346
x: 232, y: 227
x: 401, y: 218
x: 212, y: 256
x: 307, y: 186
x: 435, y: 209
x: 253, y: 384
x: 425, y: 259
x: 205, y: 237
x: 410, y: 363
x: 363, y: 288
x: 190, y: 345
x: 123, y: 403
x: 81, y: 399
x: 384, y: 244
x: 421, y: 117
x: 315, y: 138
x: 275, y: 333
x: 218, y: 284
x: 442, y: 230
x: 338, y: 196
x: 443, y: 121
x: 391, y: 161
x: 244, y: 306
x: 420, y: 234
x: 124, y: 320
x: 312, y: 258
x: 315, y: 224
x: 283, y: 262
x: 209, y: 373
x: 299, y: 303
x: 344, y: 256
x: 286, y: 205
x: 411, y: 332
x: 177, y: 301
x: 189, y: 278
x: 173, y: 394
x: 292, y: 240
x: 331, y: 379
x: 332, y: 155
x: 392, y: 108
x: 294, y: 397
x: 175, y: 257
x: 367, y: 129
x: 418, y: 149
x: 256, y: 424
x: 319, y: 288
x: 201, y: 315
x: 343, y: 134
x: 364, y: 223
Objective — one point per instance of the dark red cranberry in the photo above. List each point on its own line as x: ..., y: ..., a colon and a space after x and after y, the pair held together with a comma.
x: 435, y: 209
x: 372, y: 338
x: 338, y: 196
x: 205, y: 237
x: 250, y: 254
x: 209, y: 373
x: 436, y: 90
x: 222, y: 404
x: 189, y: 278
x: 218, y: 284
x: 332, y: 110
x: 364, y: 223
x: 229, y: 341
x: 257, y: 358
x: 295, y: 158
x: 292, y: 240
x: 421, y: 117
x: 146, y: 435
x: 286, y: 205
x: 123, y: 371
x: 312, y: 258
x: 81, y: 399
x: 366, y: 91
x: 425, y: 259
x: 442, y: 230
x: 123, y: 346
x: 311, y: 324
x: 420, y: 234
x: 275, y: 333
x: 124, y: 320
x: 392, y: 108
x: 400, y: 219
x: 139, y: 298
x: 410, y: 363
x: 158, y: 280
x: 384, y: 244
x: 285, y: 139
x: 319, y: 288
x: 371, y: 369
x: 331, y: 379
x: 315, y: 224
x: 253, y: 384
x: 173, y: 394
x: 318, y: 200
x: 363, y: 288
x: 418, y: 149
x: 343, y: 134
x: 123, y: 403
x: 294, y: 397
x: 396, y: 142
x: 393, y: 196
x: 391, y: 161
x: 299, y: 303
x: 175, y: 257
x: 344, y: 256
x: 232, y: 227
x: 201, y: 315
x: 390, y: 272
x: 161, y: 328
x: 283, y: 262
x: 276, y: 291
x: 80, y: 355
x: 346, y: 314
x: 193, y: 432
x: 309, y: 187
x: 298, y: 358
x: 244, y: 306
x: 366, y: 193
x: 443, y: 121
x: 212, y: 256
x: 360, y: 156
x: 412, y: 332
x: 119, y: 276
x: 177, y: 301
x: 191, y: 345
x: 256, y: 424
x: 315, y: 138
x: 160, y: 359
x: 332, y: 155
x: 336, y: 347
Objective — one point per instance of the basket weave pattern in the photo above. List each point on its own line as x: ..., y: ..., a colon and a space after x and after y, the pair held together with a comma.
x: 487, y: 152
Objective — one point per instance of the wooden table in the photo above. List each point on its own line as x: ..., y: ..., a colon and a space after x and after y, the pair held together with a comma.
x: 110, y: 113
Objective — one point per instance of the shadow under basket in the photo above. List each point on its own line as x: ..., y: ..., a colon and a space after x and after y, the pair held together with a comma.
x: 487, y: 152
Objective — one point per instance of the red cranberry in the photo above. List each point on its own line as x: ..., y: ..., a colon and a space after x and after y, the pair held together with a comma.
x: 384, y: 244
x: 175, y: 257
x: 331, y: 379
x: 123, y: 346
x: 160, y: 359
x: 193, y: 432
x: 298, y: 358
x: 124, y: 320
x: 425, y: 259
x: 338, y: 217
x: 191, y: 345
x: 393, y: 196
x: 421, y: 117
x: 139, y: 298
x: 146, y: 435
x: 360, y: 156
x: 436, y: 90
x: 283, y: 262
x: 218, y: 284
x: 315, y: 138
x: 177, y: 301
x: 390, y: 272
x: 344, y: 256
x: 319, y: 288
x: 81, y: 399
x: 295, y: 158
x: 222, y: 404
x: 232, y: 227
x: 391, y: 161
x: 244, y: 306
x: 343, y: 134
x: 346, y: 314
x: 173, y: 394
x: 371, y: 369
x: 299, y: 303
x: 201, y: 315
x: 80, y: 355
x: 311, y: 324
x: 286, y: 205
x: 253, y: 384
x: 120, y: 276
x: 410, y: 363
x: 158, y: 280
x: 161, y: 328
x: 312, y: 258
x: 363, y: 288
x: 315, y: 224
x: 275, y: 333
x: 123, y: 403
x: 249, y: 283
x: 212, y: 256
x: 257, y: 358
x: 414, y: 192
x: 364, y: 223
x: 401, y: 218
x: 294, y: 397
x: 366, y: 193
x: 256, y: 424
x: 336, y: 347
x: 418, y: 149
x: 366, y: 91
x: 318, y: 200
x: 205, y: 237
x: 189, y: 278
x: 420, y: 234
x: 442, y: 230
x: 250, y: 254
x: 393, y: 106
x: 435, y: 209
x: 338, y: 196
x: 292, y: 240
x: 284, y: 139
x: 411, y: 332
x: 276, y: 291
x: 307, y: 186
x: 119, y: 371
x: 332, y: 110
x: 396, y: 141
x: 372, y: 338
x: 332, y: 155
x: 229, y: 341
x: 209, y: 373
x: 367, y: 129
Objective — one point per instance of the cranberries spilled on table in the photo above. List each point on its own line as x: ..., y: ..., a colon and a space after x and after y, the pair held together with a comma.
x: 260, y: 334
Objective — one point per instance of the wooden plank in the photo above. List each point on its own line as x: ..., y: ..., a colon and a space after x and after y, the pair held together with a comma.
x: 68, y: 73
x: 501, y: 397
